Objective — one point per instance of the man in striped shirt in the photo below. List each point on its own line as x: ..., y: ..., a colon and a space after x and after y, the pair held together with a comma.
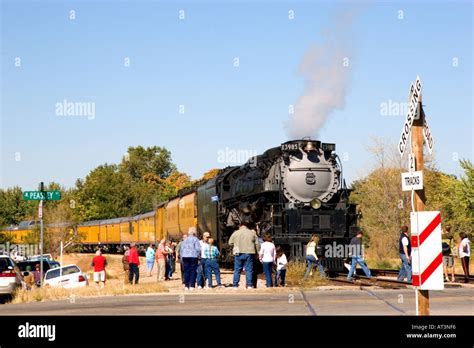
x: 211, y: 266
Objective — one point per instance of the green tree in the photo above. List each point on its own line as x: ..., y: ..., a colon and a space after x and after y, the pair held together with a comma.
x: 140, y: 161
x: 385, y: 207
x: 105, y: 193
x: 13, y: 208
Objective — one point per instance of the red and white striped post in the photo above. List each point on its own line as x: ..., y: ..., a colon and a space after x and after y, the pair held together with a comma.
x: 427, y: 258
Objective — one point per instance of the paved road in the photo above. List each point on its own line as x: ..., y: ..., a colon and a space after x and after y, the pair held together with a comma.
x: 368, y: 301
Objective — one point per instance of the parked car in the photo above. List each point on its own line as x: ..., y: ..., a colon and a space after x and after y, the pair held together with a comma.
x: 46, y: 265
x: 47, y: 257
x: 10, y: 276
x: 69, y: 276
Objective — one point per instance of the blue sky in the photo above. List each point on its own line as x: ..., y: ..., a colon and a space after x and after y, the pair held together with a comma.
x: 190, y: 62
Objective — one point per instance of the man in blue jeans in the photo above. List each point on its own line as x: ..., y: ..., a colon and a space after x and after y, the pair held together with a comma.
x: 189, y: 252
x: 404, y: 248
x: 357, y: 256
x: 245, y: 246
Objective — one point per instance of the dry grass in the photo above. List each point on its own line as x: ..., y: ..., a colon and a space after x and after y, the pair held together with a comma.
x: 114, y: 268
x: 295, y: 273
x: 115, y: 285
x: 48, y: 293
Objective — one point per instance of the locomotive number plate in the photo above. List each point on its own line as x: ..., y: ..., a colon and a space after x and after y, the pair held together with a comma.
x: 289, y: 147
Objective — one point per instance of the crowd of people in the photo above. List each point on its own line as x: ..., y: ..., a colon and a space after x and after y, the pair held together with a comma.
x: 255, y: 255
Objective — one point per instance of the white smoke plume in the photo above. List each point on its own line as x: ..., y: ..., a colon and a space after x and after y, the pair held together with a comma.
x: 325, y: 68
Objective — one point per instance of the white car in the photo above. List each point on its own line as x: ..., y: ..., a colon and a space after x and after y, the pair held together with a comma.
x: 10, y: 276
x: 69, y: 276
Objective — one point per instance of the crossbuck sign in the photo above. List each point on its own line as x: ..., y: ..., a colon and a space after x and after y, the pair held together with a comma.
x: 414, y: 99
x: 415, y: 95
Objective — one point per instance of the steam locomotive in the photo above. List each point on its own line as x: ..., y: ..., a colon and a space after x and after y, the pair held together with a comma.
x: 291, y: 191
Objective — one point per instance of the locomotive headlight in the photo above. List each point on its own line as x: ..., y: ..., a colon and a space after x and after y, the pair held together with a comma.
x: 316, y: 203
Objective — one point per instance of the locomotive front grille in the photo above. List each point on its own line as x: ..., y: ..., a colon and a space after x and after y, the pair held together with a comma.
x: 306, y: 221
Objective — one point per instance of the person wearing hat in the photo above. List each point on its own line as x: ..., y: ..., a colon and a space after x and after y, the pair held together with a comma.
x: 357, y: 256
x: 202, y: 261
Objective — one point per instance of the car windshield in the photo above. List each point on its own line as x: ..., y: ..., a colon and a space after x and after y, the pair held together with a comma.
x: 65, y: 271
x: 5, y: 263
x: 32, y: 264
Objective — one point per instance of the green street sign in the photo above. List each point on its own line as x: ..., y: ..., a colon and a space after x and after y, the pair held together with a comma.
x: 45, y: 195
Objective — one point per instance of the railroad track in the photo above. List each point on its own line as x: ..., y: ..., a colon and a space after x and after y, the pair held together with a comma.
x: 394, y: 272
x: 370, y: 281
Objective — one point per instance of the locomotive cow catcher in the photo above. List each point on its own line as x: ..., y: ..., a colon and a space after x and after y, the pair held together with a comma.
x: 291, y: 191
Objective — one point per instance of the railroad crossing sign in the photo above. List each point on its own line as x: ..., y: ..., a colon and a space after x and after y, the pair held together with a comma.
x: 42, y: 195
x: 414, y: 98
x: 427, y: 258
x: 428, y: 136
x: 412, y: 181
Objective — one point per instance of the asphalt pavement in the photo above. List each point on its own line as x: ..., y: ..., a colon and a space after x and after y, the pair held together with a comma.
x: 351, y: 301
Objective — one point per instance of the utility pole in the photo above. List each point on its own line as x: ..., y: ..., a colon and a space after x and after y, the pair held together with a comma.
x: 41, y: 233
x: 419, y: 198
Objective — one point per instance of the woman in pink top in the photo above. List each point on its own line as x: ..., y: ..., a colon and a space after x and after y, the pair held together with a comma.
x: 267, y: 257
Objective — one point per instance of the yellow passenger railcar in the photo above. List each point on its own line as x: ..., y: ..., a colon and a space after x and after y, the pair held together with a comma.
x: 171, y: 219
x: 187, y: 214
x: 126, y: 231
x: 112, y: 231
x: 91, y: 232
x: 146, y: 228
x: 159, y: 221
x: 20, y: 232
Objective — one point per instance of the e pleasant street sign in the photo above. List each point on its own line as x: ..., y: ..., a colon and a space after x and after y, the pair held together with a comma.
x: 42, y: 195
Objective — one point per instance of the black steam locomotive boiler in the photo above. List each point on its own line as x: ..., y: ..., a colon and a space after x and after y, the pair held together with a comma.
x: 291, y: 191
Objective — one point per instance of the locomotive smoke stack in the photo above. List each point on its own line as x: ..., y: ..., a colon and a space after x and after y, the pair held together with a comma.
x: 325, y: 68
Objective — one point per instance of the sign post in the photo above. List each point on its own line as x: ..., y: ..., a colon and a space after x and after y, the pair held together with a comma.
x: 420, y: 198
x: 41, y: 234
x: 41, y: 196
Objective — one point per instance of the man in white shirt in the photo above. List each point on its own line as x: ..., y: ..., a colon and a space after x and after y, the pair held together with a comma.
x: 464, y: 255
